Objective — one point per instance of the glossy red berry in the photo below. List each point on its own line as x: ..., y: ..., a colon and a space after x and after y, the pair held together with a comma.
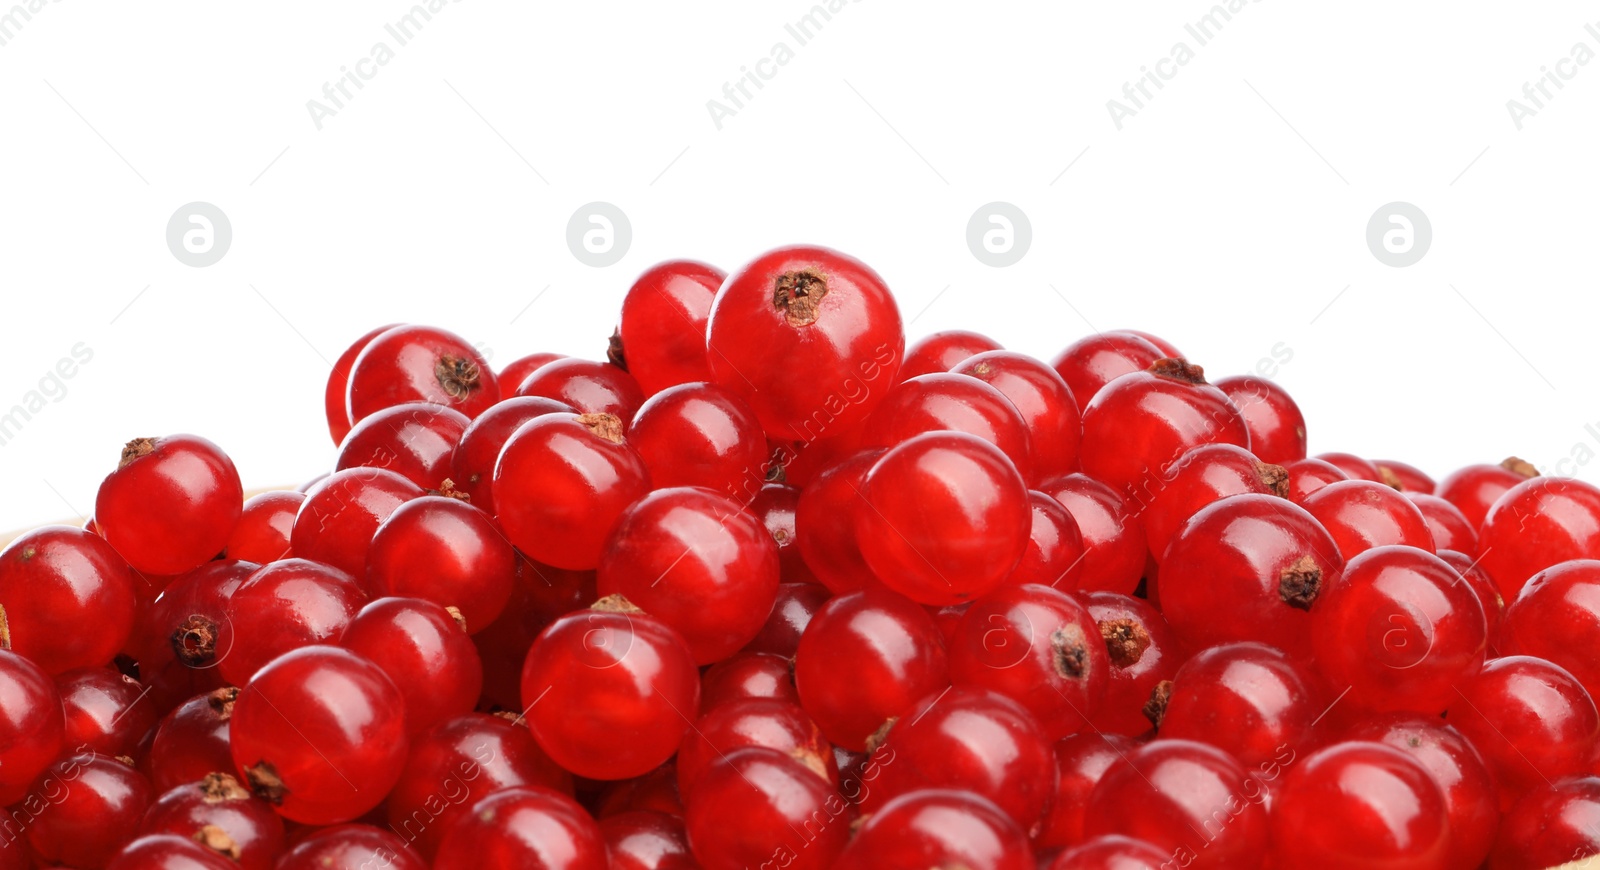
x: 446, y: 551
x: 525, y: 827
x: 1094, y: 361
x: 414, y: 440
x: 1407, y: 478
x: 560, y: 484
x: 1449, y: 526
x: 768, y: 722
x: 360, y: 846
x: 342, y: 512
x: 587, y: 387
x: 1353, y: 466
x: 1112, y: 853
x: 1306, y: 476
x: 1475, y: 488
x: 32, y: 726
x: 1248, y: 567
x: 1277, y: 427
x: 169, y: 852
x: 1247, y: 699
x: 517, y: 371
x: 662, y: 329
x: 791, y: 612
x: 943, y: 351
x: 747, y: 675
x: 1554, y: 823
x: 633, y: 677
x: 1140, y: 423
x: 425, y: 651
x: 825, y: 524
x: 1198, y: 478
x: 699, y: 434
x: 221, y: 814
x: 106, y: 711
x: 82, y: 810
x: 472, y: 462
x: 320, y: 733
x: 1556, y: 617
x: 656, y: 791
x: 1055, y: 552
x: 1360, y: 515
x: 1400, y: 628
x: 1494, y: 604
x: 865, y: 657
x: 946, y: 402
x: 1114, y: 549
x: 262, y: 534
x: 809, y: 337
x: 192, y: 740
x: 1532, y: 721
x: 338, y: 412
x: 946, y: 518
x: 646, y: 840
x: 699, y: 563
x: 1142, y: 651
x: 1535, y: 524
x: 281, y: 607
x: 1359, y: 805
x: 939, y: 828
x: 171, y: 504
x: 757, y: 806
x: 69, y: 598
x: 1038, y: 646
x: 776, y: 505
x: 419, y: 364
x: 1080, y: 760
x: 1048, y: 409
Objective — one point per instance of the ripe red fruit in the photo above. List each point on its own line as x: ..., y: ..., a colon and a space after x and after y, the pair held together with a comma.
x: 943, y: 351
x: 169, y: 852
x: 1080, y: 760
x: 1360, y: 515
x: 343, y: 511
x: 419, y: 364
x: 1247, y: 699
x: 1198, y: 478
x: 192, y: 740
x: 945, y: 519
x: 472, y: 462
x: 69, y: 597
x: 1449, y: 527
x: 1535, y: 524
x: 1556, y: 617
x: 1552, y: 824
x: 699, y: 434
x: 1248, y: 567
x: 867, y: 656
x: 222, y: 814
x: 338, y: 413
x: 104, y: 711
x: 587, y: 387
x: 633, y: 678
x: 1112, y: 853
x: 83, y: 809
x: 446, y: 551
x: 1096, y: 360
x: 320, y: 733
x: 425, y: 651
x: 938, y: 828
x: 747, y: 675
x: 1048, y: 409
x: 351, y: 846
x: 32, y: 726
x: 1114, y: 551
x: 1277, y: 428
x: 696, y: 561
x: 1474, y: 489
x: 281, y: 607
x: 1055, y: 552
x: 1143, y: 652
x: 647, y: 840
x: 809, y: 337
x: 560, y: 484
x: 758, y: 806
x: 950, y: 403
x: 1409, y: 479
x: 1532, y: 721
x: 171, y: 504
x: 262, y: 534
x: 791, y: 612
x: 662, y: 329
x: 825, y: 524
x: 1358, y: 805
x: 1306, y: 476
x: 517, y: 371
x: 525, y: 826
x: 769, y: 722
x: 1353, y: 466
x: 414, y: 440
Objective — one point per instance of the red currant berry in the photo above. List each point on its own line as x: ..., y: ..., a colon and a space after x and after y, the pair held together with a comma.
x: 169, y: 852
x: 1554, y: 823
x: 1114, y: 550
x: 947, y: 402
x: 946, y: 518
x: 697, y: 562
x: 1112, y: 853
x: 1143, y: 652
x: 1167, y: 348
x: 645, y: 840
x: 866, y: 657
x: 560, y: 484
x: 342, y: 512
x: 825, y: 530
x: 943, y: 351
x: 1081, y: 759
x: 32, y: 725
x: 1400, y: 628
x: 339, y: 380
x: 1556, y: 617
x: 83, y: 809
x: 472, y: 463
x: 776, y: 505
x: 587, y: 387
x: 221, y: 814
x: 171, y: 504
x: 1360, y: 515
x: 1248, y: 567
x: 414, y: 440
x: 262, y: 534
x: 192, y: 740
x: 1409, y: 479
x: 1046, y: 403
x: 320, y: 733
x: 656, y: 791
x: 1537, y: 523
x: 1094, y: 361
x: 1447, y: 524
x: 809, y: 337
x: 1475, y: 488
x: 758, y: 806
x: 747, y: 675
x: 526, y: 827
x: 425, y: 651
x: 446, y: 551
x: 1198, y: 478
x: 632, y: 676
x: 662, y: 330
x: 176, y: 642
x: 419, y: 364
x: 791, y: 613
x: 1055, y: 551
x: 68, y: 596
x: 517, y: 371
x: 283, y: 606
x: 939, y: 828
x: 768, y: 722
x: 699, y: 434
x: 1359, y: 805
x: 1247, y: 699
x: 1494, y: 605
x: 1353, y: 466
x: 1306, y: 476
x: 106, y: 712
x: 1532, y: 721
x: 358, y: 846
x: 1277, y: 428
x: 540, y: 596
x: 1038, y: 646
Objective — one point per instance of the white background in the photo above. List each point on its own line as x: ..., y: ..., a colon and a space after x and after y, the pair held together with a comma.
x: 1227, y: 215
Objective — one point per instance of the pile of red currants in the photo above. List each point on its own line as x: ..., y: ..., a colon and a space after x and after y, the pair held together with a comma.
x: 766, y: 589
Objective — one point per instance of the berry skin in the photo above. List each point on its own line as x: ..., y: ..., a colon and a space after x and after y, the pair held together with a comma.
x: 632, y: 676
x: 776, y: 505
x: 1400, y: 628
x: 1198, y: 478
x: 517, y: 371
x: 82, y: 810
x: 946, y: 518
x: 1306, y: 476
x: 662, y: 328
x: 425, y: 652
x: 1094, y: 361
x: 697, y: 562
x: 281, y: 607
x: 1143, y: 652
x: 656, y: 791
x: 825, y: 524
x: 1048, y: 409
x: 1112, y: 853
x: 1359, y: 805
x: 1039, y: 647
x: 1055, y: 552
x: 414, y: 440
x: 1409, y: 479
x: 1535, y: 524
x: 446, y: 551
x: 1080, y: 760
x: 419, y: 364
x: 791, y: 613
x: 1354, y: 467
x: 946, y: 402
x: 1448, y: 525
x: 1360, y: 515
x: 561, y: 483
x: 943, y: 351
x: 809, y: 337
x: 758, y: 806
x: 768, y: 722
x: 320, y: 733
x: 1192, y: 801
x: 1494, y: 605
x: 865, y: 657
x: 32, y: 725
x: 1277, y: 428
x: 938, y: 828
x: 171, y: 504
x: 339, y: 380
x: 587, y: 387
x: 192, y: 740
x: 343, y: 511
x: 357, y: 846
x: 647, y: 840
x: 1114, y: 551
x: 527, y: 827
x: 262, y: 534
x: 699, y: 434
x: 219, y: 812
x: 169, y: 852
x: 1532, y: 721
x: 472, y: 463
x: 103, y: 711
x: 1554, y: 823
x: 747, y: 675
x: 69, y: 598
x: 1247, y: 699
x: 1248, y: 567
x: 1475, y: 488
x: 1557, y: 617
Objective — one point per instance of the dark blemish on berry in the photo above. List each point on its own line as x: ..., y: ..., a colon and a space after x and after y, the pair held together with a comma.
x: 1069, y: 652
x: 1155, y: 709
